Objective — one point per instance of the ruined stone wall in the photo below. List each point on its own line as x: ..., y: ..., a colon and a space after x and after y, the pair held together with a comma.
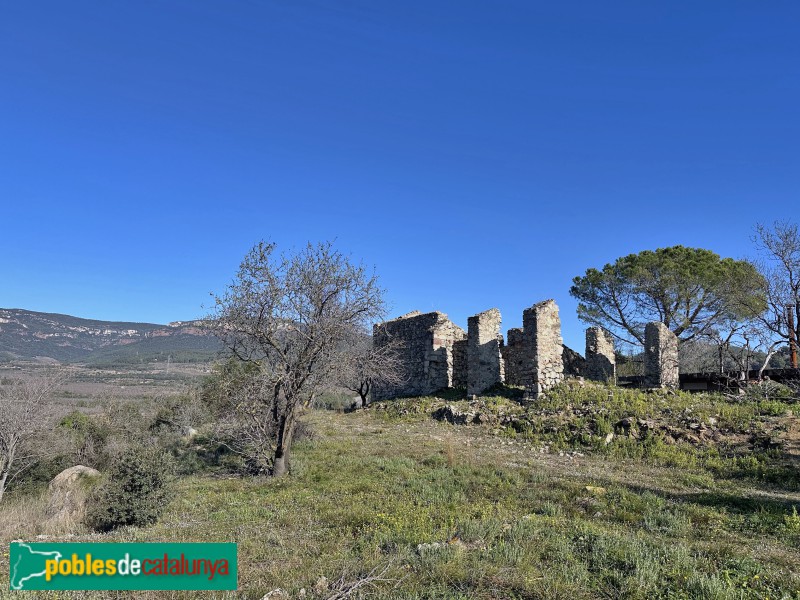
x: 514, y: 357
x: 601, y: 362
x: 424, y: 345
x: 574, y: 363
x: 544, y: 365
x: 460, y: 364
x: 484, y: 359
x: 660, y: 356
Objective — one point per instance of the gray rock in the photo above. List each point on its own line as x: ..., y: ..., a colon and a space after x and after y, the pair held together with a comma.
x: 69, y: 492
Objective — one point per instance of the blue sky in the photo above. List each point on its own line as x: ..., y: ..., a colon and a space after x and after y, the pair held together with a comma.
x: 478, y: 154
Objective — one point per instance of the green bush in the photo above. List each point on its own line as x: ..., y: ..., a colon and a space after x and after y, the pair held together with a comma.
x: 135, y: 492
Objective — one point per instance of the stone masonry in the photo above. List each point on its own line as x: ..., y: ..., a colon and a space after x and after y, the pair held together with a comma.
x: 436, y: 354
x: 424, y: 345
x: 660, y: 356
x: 514, y: 357
x: 544, y: 365
x: 484, y: 358
x: 574, y: 363
x: 460, y: 364
x: 601, y: 363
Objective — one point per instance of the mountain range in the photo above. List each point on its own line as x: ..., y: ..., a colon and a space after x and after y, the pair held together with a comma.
x: 29, y: 335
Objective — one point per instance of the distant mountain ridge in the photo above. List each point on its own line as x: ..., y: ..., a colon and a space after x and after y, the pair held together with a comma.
x: 26, y: 334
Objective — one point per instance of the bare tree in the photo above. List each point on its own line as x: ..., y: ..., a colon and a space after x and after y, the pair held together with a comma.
x: 780, y: 247
x: 24, y: 413
x: 364, y: 366
x: 246, y: 424
x: 289, y: 315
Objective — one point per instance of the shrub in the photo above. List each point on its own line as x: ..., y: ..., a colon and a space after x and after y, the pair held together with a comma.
x: 135, y: 492
x: 88, y: 438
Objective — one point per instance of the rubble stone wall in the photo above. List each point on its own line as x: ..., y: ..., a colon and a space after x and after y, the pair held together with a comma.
x: 514, y: 357
x: 544, y: 364
x: 601, y: 363
x: 425, y: 349
x: 660, y: 356
x: 574, y: 363
x: 484, y: 358
x: 460, y: 364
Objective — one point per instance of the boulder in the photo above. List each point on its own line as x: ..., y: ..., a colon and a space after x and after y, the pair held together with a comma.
x: 68, y: 493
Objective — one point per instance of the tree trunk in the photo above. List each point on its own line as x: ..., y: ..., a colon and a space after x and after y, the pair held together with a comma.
x: 770, y: 353
x: 280, y: 465
x: 6, y: 467
x: 3, y: 479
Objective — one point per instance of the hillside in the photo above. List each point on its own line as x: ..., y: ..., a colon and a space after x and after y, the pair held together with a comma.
x: 534, y: 503
x: 29, y: 335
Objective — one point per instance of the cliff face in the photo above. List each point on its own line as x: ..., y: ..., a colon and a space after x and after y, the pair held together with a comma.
x: 26, y: 334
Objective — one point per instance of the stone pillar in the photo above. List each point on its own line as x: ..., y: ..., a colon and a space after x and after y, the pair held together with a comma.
x: 484, y: 360
x: 544, y: 366
x: 660, y: 356
x: 601, y: 362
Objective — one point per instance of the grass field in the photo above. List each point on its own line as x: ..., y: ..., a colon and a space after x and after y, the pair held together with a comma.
x: 416, y: 508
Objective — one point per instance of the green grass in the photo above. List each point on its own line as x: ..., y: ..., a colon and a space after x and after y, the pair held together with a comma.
x: 460, y: 512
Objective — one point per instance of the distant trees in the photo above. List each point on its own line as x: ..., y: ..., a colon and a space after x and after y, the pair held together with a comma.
x: 691, y: 290
x: 289, y: 316
x: 24, y: 413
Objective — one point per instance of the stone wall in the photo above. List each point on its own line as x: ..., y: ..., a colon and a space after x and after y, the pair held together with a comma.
x: 574, y: 363
x: 601, y: 362
x: 484, y: 359
x: 460, y: 364
x: 660, y: 356
x: 425, y: 349
x: 544, y: 365
x: 514, y: 357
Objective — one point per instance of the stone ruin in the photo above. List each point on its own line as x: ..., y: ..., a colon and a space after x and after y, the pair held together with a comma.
x: 484, y: 357
x: 514, y: 356
x: 543, y: 366
x: 601, y: 362
x: 660, y: 356
x: 435, y: 353
x: 426, y: 349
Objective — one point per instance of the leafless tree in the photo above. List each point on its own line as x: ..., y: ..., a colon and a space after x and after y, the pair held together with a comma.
x: 245, y: 423
x: 780, y: 248
x: 288, y: 315
x: 24, y: 413
x: 364, y: 366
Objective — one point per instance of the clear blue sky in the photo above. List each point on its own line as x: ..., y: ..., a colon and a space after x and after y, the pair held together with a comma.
x: 479, y: 154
